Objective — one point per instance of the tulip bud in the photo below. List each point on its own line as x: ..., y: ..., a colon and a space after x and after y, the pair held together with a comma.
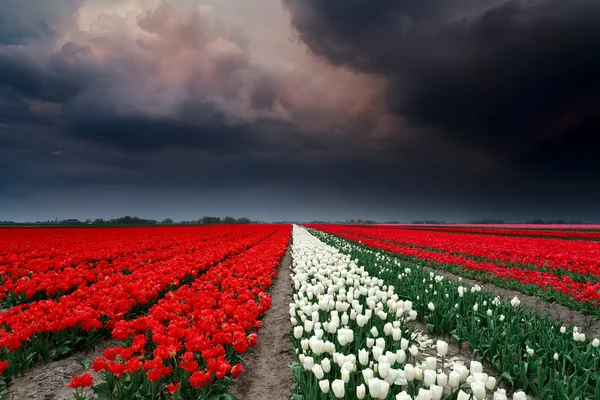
x: 463, y: 396
x: 418, y: 373
x: 377, y: 352
x: 596, y: 342
x: 298, y: 331
x: 478, y: 389
x: 409, y: 373
x: 442, y: 348
x: 318, y: 371
x: 338, y: 388
x: 388, y: 328
x: 403, y: 396
x: 324, y: 385
x: 413, y: 350
x: 431, y: 306
x: 363, y: 356
x: 374, y: 331
x: 383, y: 369
x: 326, y: 365
x: 345, y: 375
x: 424, y: 394
x: 361, y: 391
x: 476, y: 367
x: 519, y: 396
x: 400, y: 356
x: 436, y: 392
x: 403, y: 343
x: 563, y: 329
x: 454, y: 379
x: 490, y: 383
x: 442, y: 379
x: 429, y: 377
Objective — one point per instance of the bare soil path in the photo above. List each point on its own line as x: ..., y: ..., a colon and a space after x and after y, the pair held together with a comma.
x: 266, y: 373
x: 49, y: 381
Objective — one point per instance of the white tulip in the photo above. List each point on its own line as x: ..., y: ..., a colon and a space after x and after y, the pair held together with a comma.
x: 403, y: 396
x: 490, y: 383
x: 298, y: 332
x: 442, y: 348
x: 429, y: 377
x: 515, y: 301
x: 476, y: 367
x: 400, y: 356
x: 596, y: 342
x: 442, y: 379
x: 463, y: 396
x: 345, y: 375
x: 500, y: 394
x: 431, y: 306
x: 363, y: 356
x: 519, y: 396
x: 361, y: 391
x: 418, y: 373
x: 324, y: 385
x: 318, y: 371
x: 413, y: 350
x: 424, y: 394
x: 367, y: 374
x: 403, y: 343
x: 478, y: 389
x: 454, y: 379
x: 326, y: 365
x: 374, y: 331
x: 383, y: 369
x: 308, y: 325
x: 309, y: 362
x: 377, y: 352
x: 409, y: 373
x: 338, y: 388
x: 436, y: 392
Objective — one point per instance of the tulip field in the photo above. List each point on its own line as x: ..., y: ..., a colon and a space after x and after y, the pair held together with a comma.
x: 375, y: 311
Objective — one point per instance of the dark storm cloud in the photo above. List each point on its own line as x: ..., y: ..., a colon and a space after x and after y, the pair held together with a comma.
x: 437, y: 103
x: 516, y: 79
x: 56, y: 79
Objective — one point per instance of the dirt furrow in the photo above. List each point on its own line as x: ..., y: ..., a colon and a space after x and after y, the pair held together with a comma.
x: 266, y: 373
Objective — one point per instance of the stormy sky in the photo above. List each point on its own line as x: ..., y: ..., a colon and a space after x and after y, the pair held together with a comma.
x: 300, y: 109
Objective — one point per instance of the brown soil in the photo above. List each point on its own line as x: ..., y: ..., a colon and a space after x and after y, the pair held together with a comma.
x: 266, y: 373
x: 554, y: 311
x: 49, y: 381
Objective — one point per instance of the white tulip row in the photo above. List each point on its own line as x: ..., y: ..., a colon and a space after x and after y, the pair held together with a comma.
x: 354, y: 340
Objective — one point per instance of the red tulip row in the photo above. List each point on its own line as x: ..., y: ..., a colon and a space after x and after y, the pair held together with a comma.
x: 37, y: 272
x: 545, y: 233
x: 31, y: 330
x: 581, y: 257
x: 583, y: 292
x: 191, y: 340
